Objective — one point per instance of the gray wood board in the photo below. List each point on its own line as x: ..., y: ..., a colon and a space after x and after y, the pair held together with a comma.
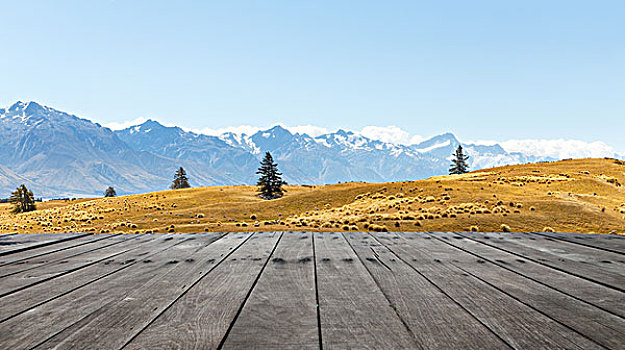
x: 113, y: 326
x: 281, y: 312
x: 28, y: 241
x: 23, y: 256
x: 200, y: 318
x: 38, y: 260
x: 603, y: 242
x: 569, y: 260
x: 602, y: 327
x: 426, y: 310
x: 354, y: 311
x: 39, y: 324
x: 12, y: 283
x: 26, y: 299
x: 516, y: 323
x: 603, y: 297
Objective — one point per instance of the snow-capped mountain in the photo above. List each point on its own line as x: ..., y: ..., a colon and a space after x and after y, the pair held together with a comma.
x: 59, y: 154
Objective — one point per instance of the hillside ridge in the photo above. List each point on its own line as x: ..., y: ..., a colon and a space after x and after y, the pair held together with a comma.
x: 585, y: 195
x: 63, y: 155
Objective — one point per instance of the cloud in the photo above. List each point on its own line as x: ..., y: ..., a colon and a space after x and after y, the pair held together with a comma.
x: 390, y: 134
x: 241, y: 129
x: 556, y: 148
x: 559, y: 148
x: 310, y: 130
x: 124, y: 125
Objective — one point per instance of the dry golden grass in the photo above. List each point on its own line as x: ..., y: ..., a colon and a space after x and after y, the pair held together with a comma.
x: 573, y: 195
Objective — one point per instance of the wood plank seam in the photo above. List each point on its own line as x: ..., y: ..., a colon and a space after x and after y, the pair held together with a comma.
x: 377, y: 283
x: 529, y: 305
x: 529, y: 278
x: 578, y: 243
x: 317, y: 292
x: 247, y: 296
x: 91, y: 281
x: 44, y: 244
x: 112, y: 302
x: 142, y: 329
x: 545, y: 264
x: 87, y: 316
x: 68, y: 257
x: 61, y: 249
x: 444, y: 293
x: 73, y: 269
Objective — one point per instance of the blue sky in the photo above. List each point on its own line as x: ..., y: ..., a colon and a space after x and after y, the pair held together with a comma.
x: 485, y: 70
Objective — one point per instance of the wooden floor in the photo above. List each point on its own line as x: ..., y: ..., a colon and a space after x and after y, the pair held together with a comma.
x: 277, y: 290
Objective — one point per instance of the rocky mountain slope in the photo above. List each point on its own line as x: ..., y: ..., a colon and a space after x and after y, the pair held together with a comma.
x: 59, y: 154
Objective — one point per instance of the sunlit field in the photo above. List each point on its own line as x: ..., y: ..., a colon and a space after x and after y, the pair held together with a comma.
x: 569, y: 196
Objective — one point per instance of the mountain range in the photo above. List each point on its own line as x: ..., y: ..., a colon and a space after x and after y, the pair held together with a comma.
x: 58, y: 154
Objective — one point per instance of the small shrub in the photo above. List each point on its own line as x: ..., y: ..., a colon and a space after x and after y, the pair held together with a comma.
x: 474, y: 229
x: 505, y: 228
x: 548, y: 229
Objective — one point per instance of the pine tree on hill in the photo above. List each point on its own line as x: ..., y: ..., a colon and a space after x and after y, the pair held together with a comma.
x: 459, y: 163
x: 180, y: 180
x: 270, y: 182
x: 110, y: 192
x: 23, y: 199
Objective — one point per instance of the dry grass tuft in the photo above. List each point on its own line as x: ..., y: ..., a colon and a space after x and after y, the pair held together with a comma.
x: 579, y: 194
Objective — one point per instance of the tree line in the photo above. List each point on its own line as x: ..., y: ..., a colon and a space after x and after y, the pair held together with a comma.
x: 270, y: 183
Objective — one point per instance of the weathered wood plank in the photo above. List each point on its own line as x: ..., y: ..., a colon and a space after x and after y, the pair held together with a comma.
x: 31, y: 328
x: 354, y: 311
x: 603, y: 297
x: 600, y: 259
x: 581, y: 265
x: 516, y: 323
x: 29, y: 298
x: 22, y: 242
x: 18, y: 281
x: 612, y: 243
x: 113, y: 326
x: 40, y: 260
x: 603, y: 328
x: 200, y: 318
x: 15, y: 240
x: 25, y: 256
x: 281, y: 312
x: 434, y: 318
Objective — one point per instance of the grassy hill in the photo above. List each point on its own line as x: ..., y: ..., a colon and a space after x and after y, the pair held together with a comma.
x: 582, y: 195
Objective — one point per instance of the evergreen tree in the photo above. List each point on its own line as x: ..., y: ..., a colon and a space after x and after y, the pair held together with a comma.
x: 459, y: 164
x: 110, y: 192
x: 180, y: 180
x: 23, y: 199
x: 270, y: 181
